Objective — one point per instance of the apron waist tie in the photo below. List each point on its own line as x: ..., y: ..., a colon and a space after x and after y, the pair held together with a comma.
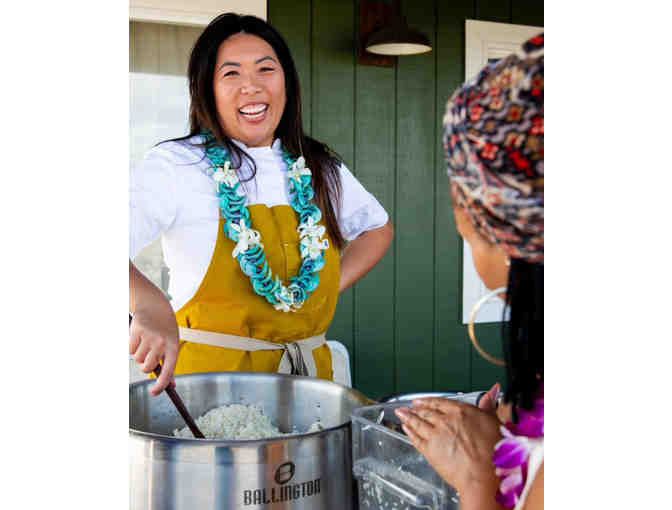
x: 297, y: 357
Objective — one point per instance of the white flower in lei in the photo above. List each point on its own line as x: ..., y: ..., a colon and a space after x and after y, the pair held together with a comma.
x: 226, y: 175
x: 313, y: 247
x: 310, y: 229
x: 286, y: 301
x: 298, y: 169
x: 247, y: 238
x: 311, y: 234
x: 284, y: 307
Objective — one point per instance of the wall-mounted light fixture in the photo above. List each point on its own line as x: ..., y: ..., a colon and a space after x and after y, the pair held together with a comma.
x: 398, y: 38
x: 384, y: 34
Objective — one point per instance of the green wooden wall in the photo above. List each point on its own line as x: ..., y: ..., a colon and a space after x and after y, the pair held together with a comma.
x: 402, y: 322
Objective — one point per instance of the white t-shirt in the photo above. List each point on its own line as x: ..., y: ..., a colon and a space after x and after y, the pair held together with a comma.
x: 172, y: 195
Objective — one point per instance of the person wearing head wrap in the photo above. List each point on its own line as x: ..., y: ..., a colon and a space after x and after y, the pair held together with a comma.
x: 494, y: 147
x: 494, y: 144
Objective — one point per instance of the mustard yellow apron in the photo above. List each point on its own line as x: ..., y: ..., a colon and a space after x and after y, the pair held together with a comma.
x: 226, y: 303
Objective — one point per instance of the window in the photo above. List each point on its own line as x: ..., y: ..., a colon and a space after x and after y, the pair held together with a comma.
x: 159, y: 106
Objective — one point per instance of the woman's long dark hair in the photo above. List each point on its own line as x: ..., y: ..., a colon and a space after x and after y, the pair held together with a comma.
x: 322, y: 161
x: 523, y: 334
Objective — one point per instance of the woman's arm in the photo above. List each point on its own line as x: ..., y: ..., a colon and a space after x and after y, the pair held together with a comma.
x: 153, y: 334
x: 364, y: 252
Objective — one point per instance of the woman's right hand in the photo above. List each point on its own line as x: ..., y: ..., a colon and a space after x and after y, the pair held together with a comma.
x: 153, y: 334
x: 457, y: 439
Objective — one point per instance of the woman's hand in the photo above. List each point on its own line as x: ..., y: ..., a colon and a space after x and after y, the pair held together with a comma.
x: 458, y: 440
x: 153, y: 334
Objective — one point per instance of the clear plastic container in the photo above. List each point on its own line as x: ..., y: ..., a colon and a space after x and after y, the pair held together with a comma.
x: 391, y: 474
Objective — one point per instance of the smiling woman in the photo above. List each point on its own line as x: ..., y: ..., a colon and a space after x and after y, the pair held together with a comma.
x: 253, y: 216
x: 249, y: 88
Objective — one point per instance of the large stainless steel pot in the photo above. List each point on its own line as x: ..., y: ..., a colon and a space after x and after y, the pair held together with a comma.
x: 307, y: 471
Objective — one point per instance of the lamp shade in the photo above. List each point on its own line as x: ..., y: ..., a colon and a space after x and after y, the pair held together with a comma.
x: 398, y: 39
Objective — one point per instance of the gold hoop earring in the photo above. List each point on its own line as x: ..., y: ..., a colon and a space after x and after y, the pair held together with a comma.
x: 470, y: 326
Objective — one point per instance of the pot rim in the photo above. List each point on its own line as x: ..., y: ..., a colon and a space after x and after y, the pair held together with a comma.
x: 241, y: 442
x: 232, y: 442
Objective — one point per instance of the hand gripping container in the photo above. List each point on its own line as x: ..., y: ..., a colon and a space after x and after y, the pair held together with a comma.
x: 391, y: 474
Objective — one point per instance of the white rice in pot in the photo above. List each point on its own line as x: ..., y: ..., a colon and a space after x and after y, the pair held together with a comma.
x: 236, y: 422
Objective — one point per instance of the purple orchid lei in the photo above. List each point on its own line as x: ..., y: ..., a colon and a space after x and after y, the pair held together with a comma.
x: 513, y: 451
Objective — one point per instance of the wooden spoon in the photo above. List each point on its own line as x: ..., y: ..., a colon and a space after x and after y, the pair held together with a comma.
x: 177, y: 401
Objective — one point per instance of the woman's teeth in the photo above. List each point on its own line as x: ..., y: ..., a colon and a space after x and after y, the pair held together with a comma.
x: 254, y: 111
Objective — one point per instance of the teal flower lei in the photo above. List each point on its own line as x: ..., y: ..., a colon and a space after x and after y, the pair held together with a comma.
x: 249, y: 250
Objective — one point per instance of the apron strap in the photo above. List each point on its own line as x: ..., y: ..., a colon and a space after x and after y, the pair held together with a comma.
x: 297, y: 357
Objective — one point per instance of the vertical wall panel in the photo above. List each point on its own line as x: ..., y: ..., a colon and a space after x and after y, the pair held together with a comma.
x: 493, y: 10
x: 374, y: 167
x: 293, y: 21
x: 416, y: 133
x: 452, y: 353
x: 527, y: 12
x: 333, y: 68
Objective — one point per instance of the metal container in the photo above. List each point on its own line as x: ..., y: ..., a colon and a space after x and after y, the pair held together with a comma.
x: 305, y: 471
x: 470, y: 398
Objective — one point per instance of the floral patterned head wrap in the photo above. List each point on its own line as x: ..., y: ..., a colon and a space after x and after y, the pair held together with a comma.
x: 494, y: 146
